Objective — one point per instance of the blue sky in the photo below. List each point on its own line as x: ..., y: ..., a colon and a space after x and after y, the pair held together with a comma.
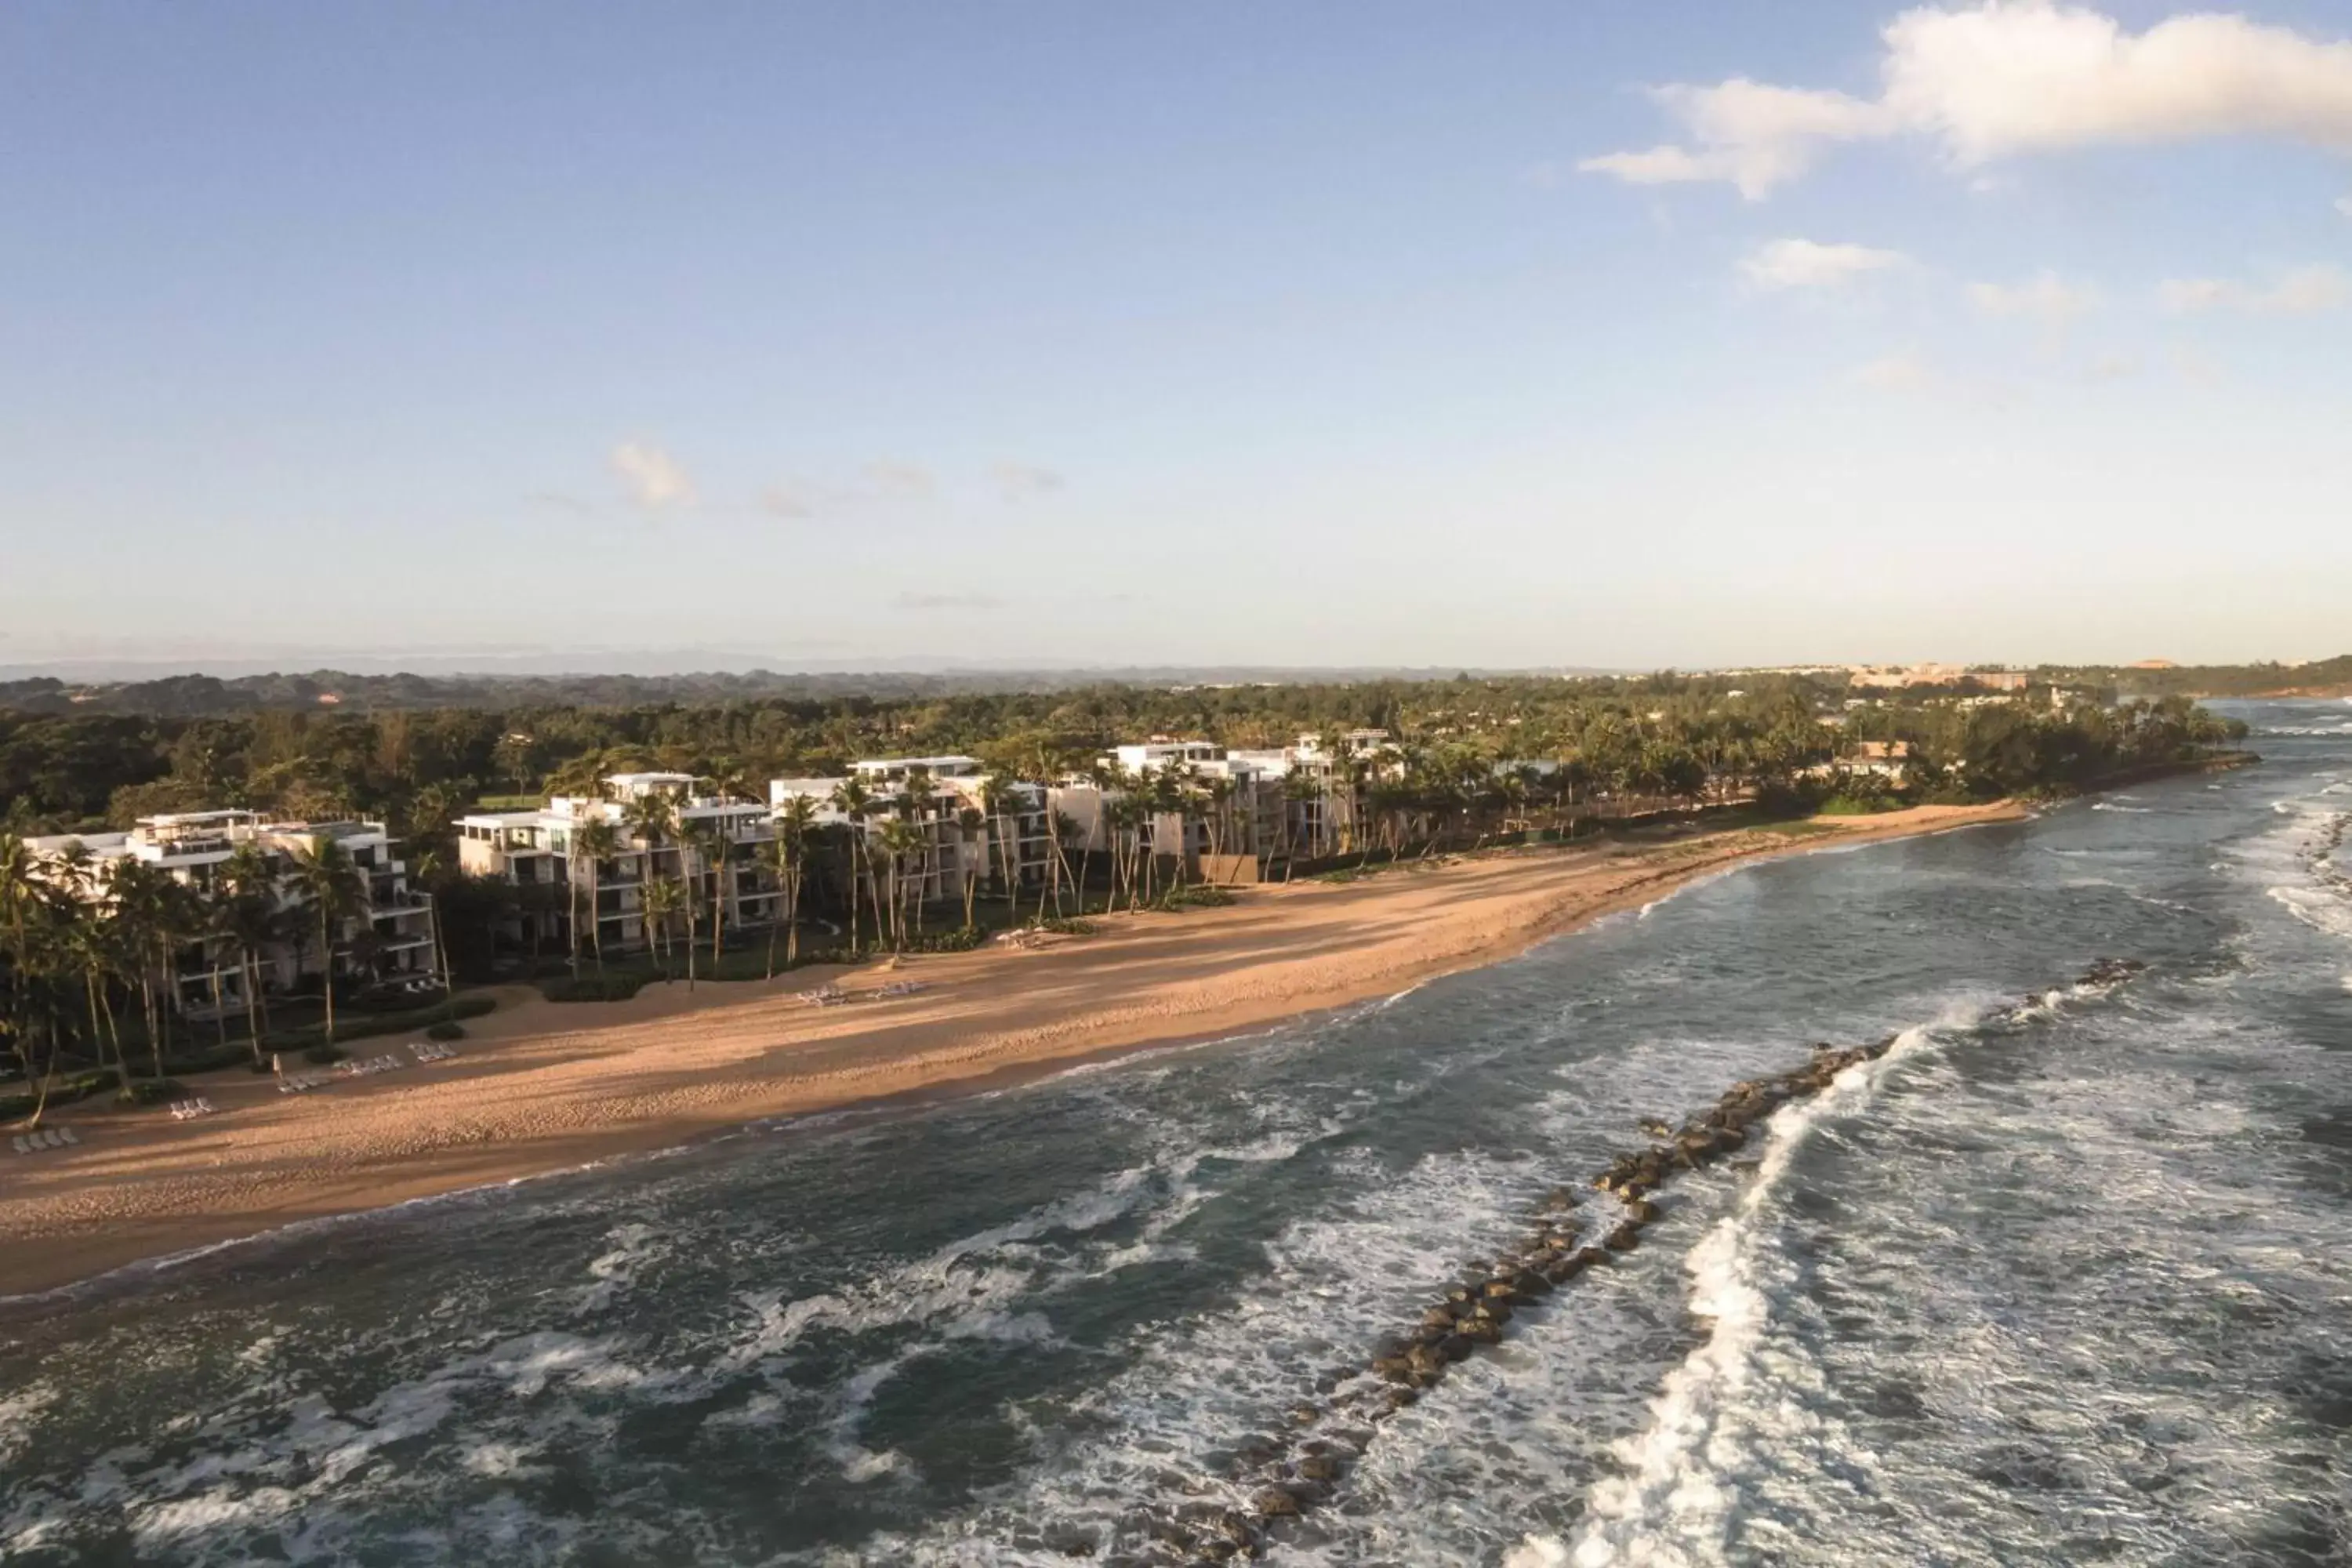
x: 1071, y: 333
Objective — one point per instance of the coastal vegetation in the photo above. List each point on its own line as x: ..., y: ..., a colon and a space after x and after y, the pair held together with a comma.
x: 84, y: 983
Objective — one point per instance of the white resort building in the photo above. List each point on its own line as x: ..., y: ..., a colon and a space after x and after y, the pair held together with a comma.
x: 389, y: 937
x: 1011, y: 841
x: 712, y: 841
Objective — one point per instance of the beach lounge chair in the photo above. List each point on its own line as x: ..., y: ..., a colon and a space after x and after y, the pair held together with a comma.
x: 67, y: 1135
x: 23, y: 1145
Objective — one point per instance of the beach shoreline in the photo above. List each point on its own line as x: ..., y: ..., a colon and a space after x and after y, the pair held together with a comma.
x: 541, y: 1088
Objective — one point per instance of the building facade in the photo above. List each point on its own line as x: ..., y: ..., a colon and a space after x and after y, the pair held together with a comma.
x: 389, y: 936
x: 662, y: 828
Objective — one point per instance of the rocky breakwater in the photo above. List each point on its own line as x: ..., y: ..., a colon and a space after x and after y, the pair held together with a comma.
x: 1279, y: 1477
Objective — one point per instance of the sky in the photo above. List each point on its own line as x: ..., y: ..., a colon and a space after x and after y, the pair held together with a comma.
x: 1062, y: 333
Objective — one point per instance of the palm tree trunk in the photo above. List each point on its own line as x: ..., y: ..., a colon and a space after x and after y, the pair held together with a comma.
x: 147, y: 1012
x: 852, y: 889
x: 248, y: 970
x: 327, y: 977
x: 114, y: 1029
x: 792, y: 919
x: 719, y: 912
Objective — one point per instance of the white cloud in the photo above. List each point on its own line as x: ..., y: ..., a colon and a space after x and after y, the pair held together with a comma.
x: 2305, y: 291
x: 789, y: 500
x: 1895, y: 373
x: 652, y: 476
x: 2112, y: 367
x: 891, y: 479
x: 1024, y: 481
x: 2047, y: 299
x: 2005, y: 77
x: 1751, y: 134
x: 2344, y: 206
x: 1805, y: 264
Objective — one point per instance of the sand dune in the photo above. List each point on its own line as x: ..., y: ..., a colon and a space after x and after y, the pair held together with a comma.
x: 542, y: 1087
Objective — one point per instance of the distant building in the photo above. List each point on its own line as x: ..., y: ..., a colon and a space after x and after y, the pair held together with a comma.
x: 1881, y: 677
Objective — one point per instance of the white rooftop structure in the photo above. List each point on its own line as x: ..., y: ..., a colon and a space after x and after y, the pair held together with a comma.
x: 946, y: 767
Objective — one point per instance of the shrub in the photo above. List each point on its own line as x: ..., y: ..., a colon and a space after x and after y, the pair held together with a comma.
x: 322, y: 1054
x: 150, y: 1091
x: 446, y: 1029
x: 591, y: 988
x: 1199, y: 896
x: 1859, y: 806
x: 80, y: 1086
x: 1064, y: 925
x: 963, y: 939
x: 212, y: 1060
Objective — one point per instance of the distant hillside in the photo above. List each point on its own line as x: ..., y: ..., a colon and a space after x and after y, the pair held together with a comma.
x: 2320, y: 677
x: 206, y: 696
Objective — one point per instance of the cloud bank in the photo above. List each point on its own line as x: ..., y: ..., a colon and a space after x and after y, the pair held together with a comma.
x: 1804, y: 264
x: 2010, y: 77
x: 2047, y: 299
x: 2305, y: 291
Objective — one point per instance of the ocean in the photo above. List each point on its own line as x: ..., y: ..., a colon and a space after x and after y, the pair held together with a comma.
x: 2064, y: 1277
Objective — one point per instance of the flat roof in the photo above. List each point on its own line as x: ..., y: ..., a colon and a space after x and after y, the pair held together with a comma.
x: 54, y: 843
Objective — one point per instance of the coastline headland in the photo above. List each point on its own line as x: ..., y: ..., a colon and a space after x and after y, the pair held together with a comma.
x: 544, y: 1086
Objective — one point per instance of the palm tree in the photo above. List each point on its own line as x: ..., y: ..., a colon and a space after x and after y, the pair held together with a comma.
x: 1067, y: 831
x: 788, y: 855
x: 900, y: 840
x: 662, y: 897
x: 88, y: 942
x: 707, y: 845
x: 855, y: 802
x: 996, y: 799
x: 41, y: 926
x: 149, y: 913
x: 970, y: 825
x: 25, y: 897
x: 715, y: 850
x: 651, y: 820
x: 331, y: 884
x: 593, y: 842
x: 250, y: 923
x: 431, y: 869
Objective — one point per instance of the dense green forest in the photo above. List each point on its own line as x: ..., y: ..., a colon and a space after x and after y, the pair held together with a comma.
x: 205, y: 696
x: 2320, y: 677
x: 416, y: 768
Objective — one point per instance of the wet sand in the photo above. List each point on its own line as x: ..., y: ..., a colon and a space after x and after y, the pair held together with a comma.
x: 539, y: 1087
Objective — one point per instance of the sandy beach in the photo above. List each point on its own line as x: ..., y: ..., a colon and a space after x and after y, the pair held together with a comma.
x: 541, y: 1086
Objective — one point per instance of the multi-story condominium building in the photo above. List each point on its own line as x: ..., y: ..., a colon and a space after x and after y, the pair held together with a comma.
x: 538, y: 850
x: 1013, y: 835
x: 388, y: 936
x: 1239, y: 802
x: 1016, y: 827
